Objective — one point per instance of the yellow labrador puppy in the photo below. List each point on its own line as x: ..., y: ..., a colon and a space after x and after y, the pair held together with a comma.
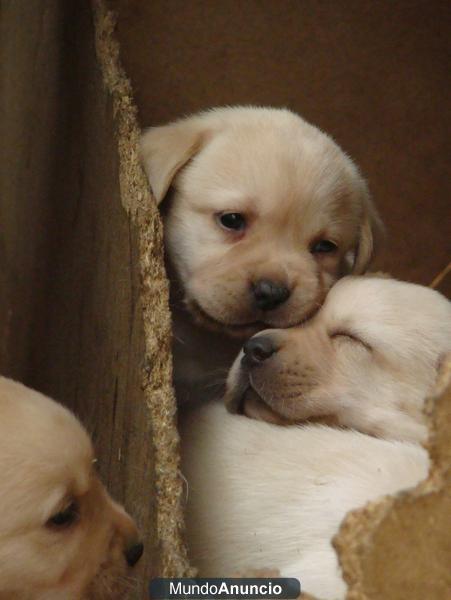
x: 261, y: 495
x: 61, y: 535
x: 265, y: 213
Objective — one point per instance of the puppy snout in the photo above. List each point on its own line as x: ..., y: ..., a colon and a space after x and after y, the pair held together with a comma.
x: 133, y: 553
x: 257, y: 350
x: 269, y: 294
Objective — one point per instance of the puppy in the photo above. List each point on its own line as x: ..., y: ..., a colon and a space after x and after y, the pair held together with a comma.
x: 367, y: 361
x: 61, y: 536
x: 265, y: 496
x: 266, y: 213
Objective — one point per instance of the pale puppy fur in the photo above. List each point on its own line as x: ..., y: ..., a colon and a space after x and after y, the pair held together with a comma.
x: 46, y: 463
x: 265, y: 496
x: 293, y: 185
x: 367, y: 359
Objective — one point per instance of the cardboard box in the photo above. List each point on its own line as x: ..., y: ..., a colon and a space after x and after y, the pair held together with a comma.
x: 84, y: 298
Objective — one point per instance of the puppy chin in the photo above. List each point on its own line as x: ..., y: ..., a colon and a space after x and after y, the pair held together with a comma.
x: 254, y: 407
x: 241, y: 398
x: 283, y: 318
x: 244, y: 398
x: 111, y: 583
x: 202, y: 318
x: 113, y: 579
x: 292, y: 318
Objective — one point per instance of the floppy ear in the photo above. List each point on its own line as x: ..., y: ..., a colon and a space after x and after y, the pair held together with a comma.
x: 165, y: 150
x: 372, y: 233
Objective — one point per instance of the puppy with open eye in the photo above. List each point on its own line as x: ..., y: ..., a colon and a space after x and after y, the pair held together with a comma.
x: 261, y: 495
x: 265, y: 213
x: 61, y: 535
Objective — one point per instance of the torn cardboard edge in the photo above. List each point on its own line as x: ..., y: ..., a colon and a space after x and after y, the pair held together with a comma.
x: 157, y: 374
x: 384, y: 547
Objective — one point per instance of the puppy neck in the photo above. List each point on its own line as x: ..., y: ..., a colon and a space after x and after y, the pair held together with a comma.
x: 201, y: 357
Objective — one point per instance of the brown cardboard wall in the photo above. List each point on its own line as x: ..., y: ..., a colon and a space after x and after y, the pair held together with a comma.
x: 87, y: 340
x: 70, y: 317
x: 398, y: 547
x: 83, y: 298
x: 30, y: 104
x: 373, y: 74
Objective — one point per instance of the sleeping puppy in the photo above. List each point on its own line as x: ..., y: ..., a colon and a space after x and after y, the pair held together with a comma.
x: 367, y: 360
x: 61, y: 536
x: 265, y: 496
x: 265, y: 213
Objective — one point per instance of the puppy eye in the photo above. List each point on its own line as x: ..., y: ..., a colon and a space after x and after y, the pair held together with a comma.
x: 350, y: 337
x: 234, y: 221
x: 323, y: 247
x: 65, y: 517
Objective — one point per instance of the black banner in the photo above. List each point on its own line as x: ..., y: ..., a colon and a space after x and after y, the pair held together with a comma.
x: 255, y: 588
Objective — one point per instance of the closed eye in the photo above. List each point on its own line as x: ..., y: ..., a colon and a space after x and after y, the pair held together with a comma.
x: 350, y: 336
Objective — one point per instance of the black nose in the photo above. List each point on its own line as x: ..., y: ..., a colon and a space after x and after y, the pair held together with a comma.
x: 257, y: 350
x: 133, y: 554
x: 268, y: 294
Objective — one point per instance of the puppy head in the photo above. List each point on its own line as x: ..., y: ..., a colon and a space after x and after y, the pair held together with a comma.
x: 367, y: 360
x: 267, y: 213
x: 61, y: 535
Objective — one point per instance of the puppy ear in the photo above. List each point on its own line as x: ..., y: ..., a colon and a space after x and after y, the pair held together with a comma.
x: 372, y: 233
x: 165, y: 150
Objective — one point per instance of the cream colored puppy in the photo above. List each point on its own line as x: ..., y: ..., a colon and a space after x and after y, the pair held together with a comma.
x: 261, y: 495
x: 267, y: 212
x: 367, y: 360
x: 61, y: 536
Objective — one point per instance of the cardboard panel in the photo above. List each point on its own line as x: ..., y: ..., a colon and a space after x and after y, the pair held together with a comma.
x: 84, y: 299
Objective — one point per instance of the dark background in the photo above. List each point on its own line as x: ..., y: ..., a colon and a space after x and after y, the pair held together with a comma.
x: 375, y: 75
